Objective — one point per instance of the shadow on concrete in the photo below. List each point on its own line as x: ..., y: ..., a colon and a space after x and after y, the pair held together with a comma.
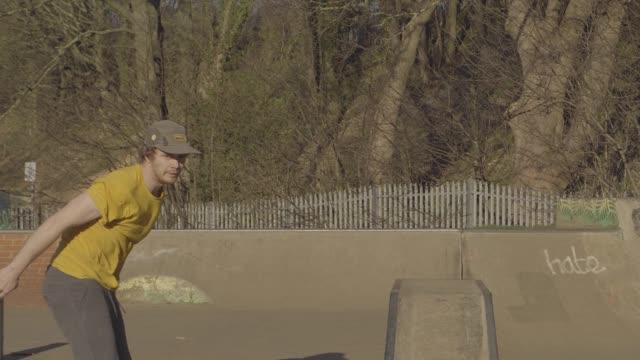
x: 16, y: 355
x: 326, y: 356
x: 542, y: 302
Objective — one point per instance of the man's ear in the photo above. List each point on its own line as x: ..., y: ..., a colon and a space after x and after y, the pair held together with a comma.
x: 149, y: 153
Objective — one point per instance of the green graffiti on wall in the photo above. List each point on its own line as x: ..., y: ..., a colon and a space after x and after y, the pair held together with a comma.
x: 586, y: 213
x: 157, y: 289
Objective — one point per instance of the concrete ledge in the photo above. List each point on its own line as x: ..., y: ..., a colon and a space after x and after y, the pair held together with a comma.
x: 440, y: 319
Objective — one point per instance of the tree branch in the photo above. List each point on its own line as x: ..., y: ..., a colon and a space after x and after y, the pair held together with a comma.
x: 53, y: 62
x: 13, y: 12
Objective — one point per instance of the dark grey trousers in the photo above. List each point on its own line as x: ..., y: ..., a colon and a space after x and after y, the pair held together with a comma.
x: 88, y: 315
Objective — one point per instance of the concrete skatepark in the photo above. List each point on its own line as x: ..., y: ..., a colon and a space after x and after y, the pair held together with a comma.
x: 329, y: 295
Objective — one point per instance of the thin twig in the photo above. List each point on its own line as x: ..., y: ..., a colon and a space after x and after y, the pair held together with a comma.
x: 13, y: 12
x: 51, y: 64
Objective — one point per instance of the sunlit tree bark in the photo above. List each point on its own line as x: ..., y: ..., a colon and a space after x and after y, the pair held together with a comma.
x: 566, y: 50
x: 385, y: 115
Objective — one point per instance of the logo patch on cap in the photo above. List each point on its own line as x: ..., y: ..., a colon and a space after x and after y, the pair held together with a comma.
x: 180, y: 138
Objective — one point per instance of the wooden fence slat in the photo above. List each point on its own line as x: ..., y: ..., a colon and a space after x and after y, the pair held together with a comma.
x: 448, y: 205
x: 370, y: 221
x: 426, y: 206
x: 354, y: 208
x: 337, y: 210
x: 350, y: 208
x: 493, y: 208
x: 503, y: 202
x: 362, y: 207
x: 519, y: 206
x: 482, y: 204
x: 396, y: 205
x: 404, y: 206
x: 423, y: 206
x: 383, y: 207
x: 355, y: 205
x: 452, y: 203
x: 488, y: 203
x: 391, y: 207
x: 436, y: 207
x: 333, y: 210
x: 393, y: 199
x: 545, y: 203
x: 410, y: 206
x: 430, y: 213
x: 498, y: 215
x: 496, y: 205
x: 400, y: 202
x: 465, y: 209
x: 459, y: 218
x: 512, y: 207
x: 526, y: 211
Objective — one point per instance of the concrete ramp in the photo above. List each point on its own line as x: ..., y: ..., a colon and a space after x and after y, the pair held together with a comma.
x: 440, y: 319
x: 562, y: 297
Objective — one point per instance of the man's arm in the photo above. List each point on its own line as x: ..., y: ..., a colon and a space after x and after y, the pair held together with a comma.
x: 78, y: 211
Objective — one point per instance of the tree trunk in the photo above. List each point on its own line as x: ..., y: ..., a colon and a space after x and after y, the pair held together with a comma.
x: 549, y: 42
x: 144, y: 17
x: 594, y: 86
x: 385, y: 114
x: 369, y: 121
x: 234, y: 15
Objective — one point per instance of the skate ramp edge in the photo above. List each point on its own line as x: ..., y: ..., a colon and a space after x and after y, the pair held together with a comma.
x: 440, y: 319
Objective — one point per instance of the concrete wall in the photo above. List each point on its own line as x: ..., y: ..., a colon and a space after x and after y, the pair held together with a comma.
x: 313, y: 270
x: 336, y: 270
x: 345, y: 269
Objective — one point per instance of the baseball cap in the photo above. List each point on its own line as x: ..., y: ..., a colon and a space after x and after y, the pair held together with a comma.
x: 169, y: 137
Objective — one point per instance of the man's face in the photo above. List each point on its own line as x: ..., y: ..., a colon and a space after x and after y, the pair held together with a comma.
x: 167, y: 167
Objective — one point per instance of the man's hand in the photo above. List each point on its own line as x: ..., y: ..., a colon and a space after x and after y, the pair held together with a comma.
x: 8, y: 281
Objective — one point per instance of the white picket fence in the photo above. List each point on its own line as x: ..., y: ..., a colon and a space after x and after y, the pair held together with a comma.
x: 452, y: 205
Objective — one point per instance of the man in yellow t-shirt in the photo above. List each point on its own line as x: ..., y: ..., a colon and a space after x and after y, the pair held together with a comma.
x: 98, y: 229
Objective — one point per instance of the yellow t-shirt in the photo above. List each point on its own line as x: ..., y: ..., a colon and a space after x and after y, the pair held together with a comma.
x: 98, y: 249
